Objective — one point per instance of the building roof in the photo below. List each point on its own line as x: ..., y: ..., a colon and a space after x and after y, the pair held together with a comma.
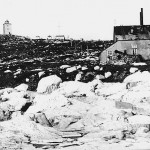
x: 7, y: 22
x: 118, y: 30
x: 132, y: 32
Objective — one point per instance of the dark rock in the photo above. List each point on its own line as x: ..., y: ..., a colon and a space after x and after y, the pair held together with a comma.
x: 41, y: 118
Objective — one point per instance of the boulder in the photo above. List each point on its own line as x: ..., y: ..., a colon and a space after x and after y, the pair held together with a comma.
x: 12, y: 94
x: 5, y: 114
x: 79, y: 67
x: 133, y: 69
x: 41, y: 118
x: 138, y: 77
x: 133, y: 77
x: 96, y: 68
x: 72, y: 69
x: 100, y: 76
x: 84, y: 68
x: 107, y: 74
x: 48, y: 84
x: 21, y: 87
x: 41, y: 73
x: 16, y: 103
x: 27, y: 79
x: 101, y: 68
x: 75, y: 88
x: 78, y: 76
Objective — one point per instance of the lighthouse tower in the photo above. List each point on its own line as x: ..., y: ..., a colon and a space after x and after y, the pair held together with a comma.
x: 7, y: 28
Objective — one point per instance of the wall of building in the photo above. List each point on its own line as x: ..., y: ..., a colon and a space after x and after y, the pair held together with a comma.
x: 140, y: 47
x: 103, y: 57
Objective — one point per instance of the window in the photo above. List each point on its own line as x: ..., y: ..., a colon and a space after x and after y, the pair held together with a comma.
x: 109, y: 53
x: 134, y: 47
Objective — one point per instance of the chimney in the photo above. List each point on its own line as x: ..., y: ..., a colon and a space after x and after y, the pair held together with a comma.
x: 141, y: 17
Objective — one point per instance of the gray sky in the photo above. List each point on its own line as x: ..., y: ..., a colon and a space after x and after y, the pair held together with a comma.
x: 88, y: 19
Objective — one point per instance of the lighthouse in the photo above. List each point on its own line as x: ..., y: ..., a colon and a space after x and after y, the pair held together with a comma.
x: 7, y: 27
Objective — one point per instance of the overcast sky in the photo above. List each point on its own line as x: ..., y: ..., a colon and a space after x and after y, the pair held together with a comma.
x: 88, y: 19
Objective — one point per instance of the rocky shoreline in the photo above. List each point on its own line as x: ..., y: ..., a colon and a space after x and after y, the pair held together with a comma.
x: 77, y: 115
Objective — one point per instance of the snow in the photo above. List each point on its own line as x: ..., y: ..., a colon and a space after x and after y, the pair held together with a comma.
x: 48, y: 84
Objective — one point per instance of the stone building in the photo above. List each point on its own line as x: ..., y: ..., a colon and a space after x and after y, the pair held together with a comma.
x: 132, y: 40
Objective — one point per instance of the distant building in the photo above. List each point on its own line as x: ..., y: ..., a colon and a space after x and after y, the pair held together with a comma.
x: 7, y: 28
x: 132, y: 40
x: 60, y: 37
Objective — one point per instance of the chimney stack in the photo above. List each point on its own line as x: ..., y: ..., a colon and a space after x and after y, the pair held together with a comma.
x: 141, y: 17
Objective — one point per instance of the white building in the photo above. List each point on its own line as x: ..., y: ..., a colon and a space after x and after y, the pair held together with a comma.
x: 60, y: 37
x: 7, y: 28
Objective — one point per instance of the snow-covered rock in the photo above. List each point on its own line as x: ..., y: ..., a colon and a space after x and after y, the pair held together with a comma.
x: 84, y: 68
x: 138, y: 76
x: 96, y: 68
x: 79, y: 66
x: 35, y: 131
x: 41, y: 73
x: 48, y: 84
x: 16, y: 103
x: 142, y: 131
x: 110, y: 89
x: 78, y: 76
x: 99, y: 76
x: 71, y: 69
x: 41, y: 118
x: 133, y: 69
x: 101, y: 68
x: 64, y: 66
x: 107, y: 74
x: 18, y: 71
x: 7, y: 71
x: 27, y: 79
x: 139, y: 119
x: 12, y: 94
x: 139, y: 64
x: 21, y: 87
x: 75, y: 88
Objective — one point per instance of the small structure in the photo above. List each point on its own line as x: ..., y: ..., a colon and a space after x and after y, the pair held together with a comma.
x: 60, y: 37
x: 7, y: 27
